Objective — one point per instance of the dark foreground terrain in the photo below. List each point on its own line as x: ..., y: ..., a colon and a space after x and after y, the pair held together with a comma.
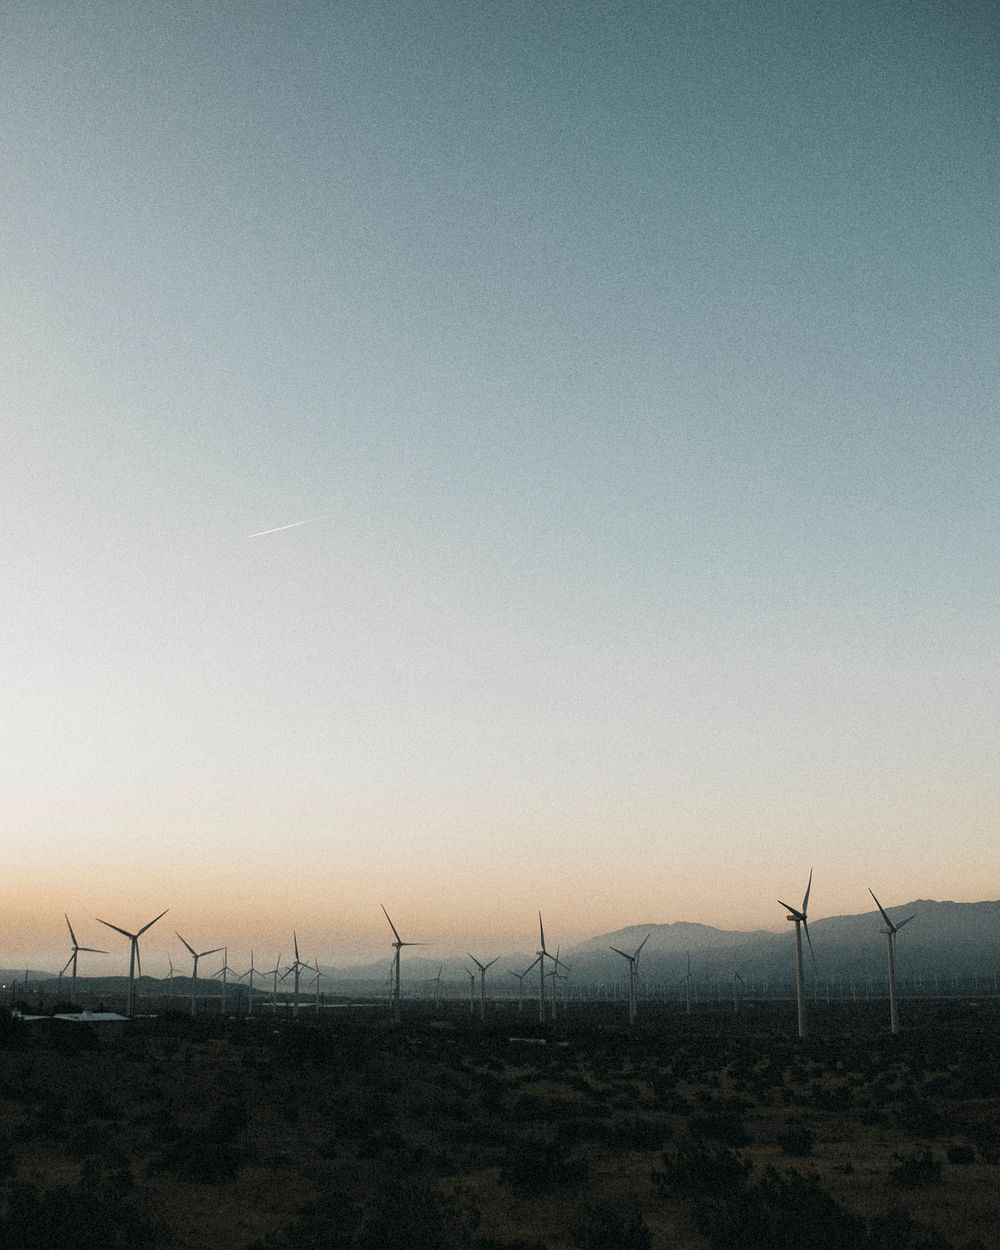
x: 695, y: 1131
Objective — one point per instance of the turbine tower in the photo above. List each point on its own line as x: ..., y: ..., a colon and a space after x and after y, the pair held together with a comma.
x: 196, y: 955
x: 250, y: 973
x: 890, y: 932
x: 800, y: 918
x: 541, y: 955
x: 296, y: 968
x: 397, y: 945
x: 482, y: 983
x: 633, y: 969
x: 71, y: 962
x: 134, y: 959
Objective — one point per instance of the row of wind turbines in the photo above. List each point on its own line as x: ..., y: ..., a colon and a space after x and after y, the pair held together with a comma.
x: 557, y: 968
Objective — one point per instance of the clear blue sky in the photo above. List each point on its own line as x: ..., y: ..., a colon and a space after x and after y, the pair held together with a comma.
x: 641, y: 360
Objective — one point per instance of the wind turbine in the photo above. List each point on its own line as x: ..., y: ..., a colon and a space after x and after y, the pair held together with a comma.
x: 134, y: 959
x: 314, y: 967
x: 800, y: 918
x: 737, y: 982
x: 224, y: 972
x: 296, y: 967
x: 687, y: 985
x: 520, y: 986
x: 482, y: 983
x: 250, y: 973
x: 542, y: 954
x: 633, y: 968
x: 273, y: 972
x: 170, y: 978
x: 71, y: 962
x: 196, y: 955
x: 398, y: 945
x: 890, y: 932
x: 436, y: 982
x: 472, y: 990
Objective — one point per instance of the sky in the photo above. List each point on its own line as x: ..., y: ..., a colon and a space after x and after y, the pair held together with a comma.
x: 635, y: 365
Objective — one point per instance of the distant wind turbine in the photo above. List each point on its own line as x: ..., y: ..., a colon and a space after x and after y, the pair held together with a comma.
x: 482, y: 983
x: 71, y: 962
x: 890, y: 932
x: 633, y: 968
x: 397, y: 945
x: 134, y: 959
x: 800, y: 918
x: 195, y: 956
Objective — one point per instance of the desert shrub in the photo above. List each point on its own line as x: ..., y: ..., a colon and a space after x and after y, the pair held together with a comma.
x: 915, y: 1171
x: 535, y: 1165
x: 71, y: 1219
x: 414, y: 1217
x: 797, y: 1139
x: 330, y: 1223
x: 961, y: 1154
x: 198, y: 1158
x: 720, y: 1126
x: 606, y: 1225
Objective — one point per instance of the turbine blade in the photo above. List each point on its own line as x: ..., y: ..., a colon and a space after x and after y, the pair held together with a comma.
x: 391, y: 925
x: 491, y: 963
x: 805, y: 901
x: 541, y: 931
x: 187, y: 944
x: 906, y: 921
x: 882, y: 910
x: 474, y: 960
x: 618, y: 952
x: 295, y: 943
x: 214, y: 951
x: 152, y: 922
x: 66, y: 964
x: 810, y: 941
x: 94, y: 951
x: 793, y: 911
x: 123, y: 932
x: 72, y: 935
x: 641, y: 945
x: 138, y: 957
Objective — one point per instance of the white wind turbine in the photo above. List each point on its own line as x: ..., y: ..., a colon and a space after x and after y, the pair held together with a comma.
x: 540, y: 957
x: 195, y: 956
x: 134, y: 960
x: 224, y: 972
x: 687, y: 985
x: 472, y: 990
x: 482, y: 983
x: 633, y: 969
x: 520, y: 986
x: 800, y: 918
x: 314, y: 967
x: 737, y: 982
x: 250, y: 972
x: 436, y: 982
x: 71, y: 962
x: 296, y: 969
x: 890, y: 932
x: 170, y: 978
x: 397, y: 946
x: 273, y: 972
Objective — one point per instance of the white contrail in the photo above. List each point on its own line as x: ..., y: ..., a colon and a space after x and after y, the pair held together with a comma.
x: 294, y: 525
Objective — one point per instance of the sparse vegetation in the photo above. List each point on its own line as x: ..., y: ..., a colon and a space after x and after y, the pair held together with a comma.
x: 351, y: 1136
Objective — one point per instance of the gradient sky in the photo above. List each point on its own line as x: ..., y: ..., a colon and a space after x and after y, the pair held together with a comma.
x: 641, y: 360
